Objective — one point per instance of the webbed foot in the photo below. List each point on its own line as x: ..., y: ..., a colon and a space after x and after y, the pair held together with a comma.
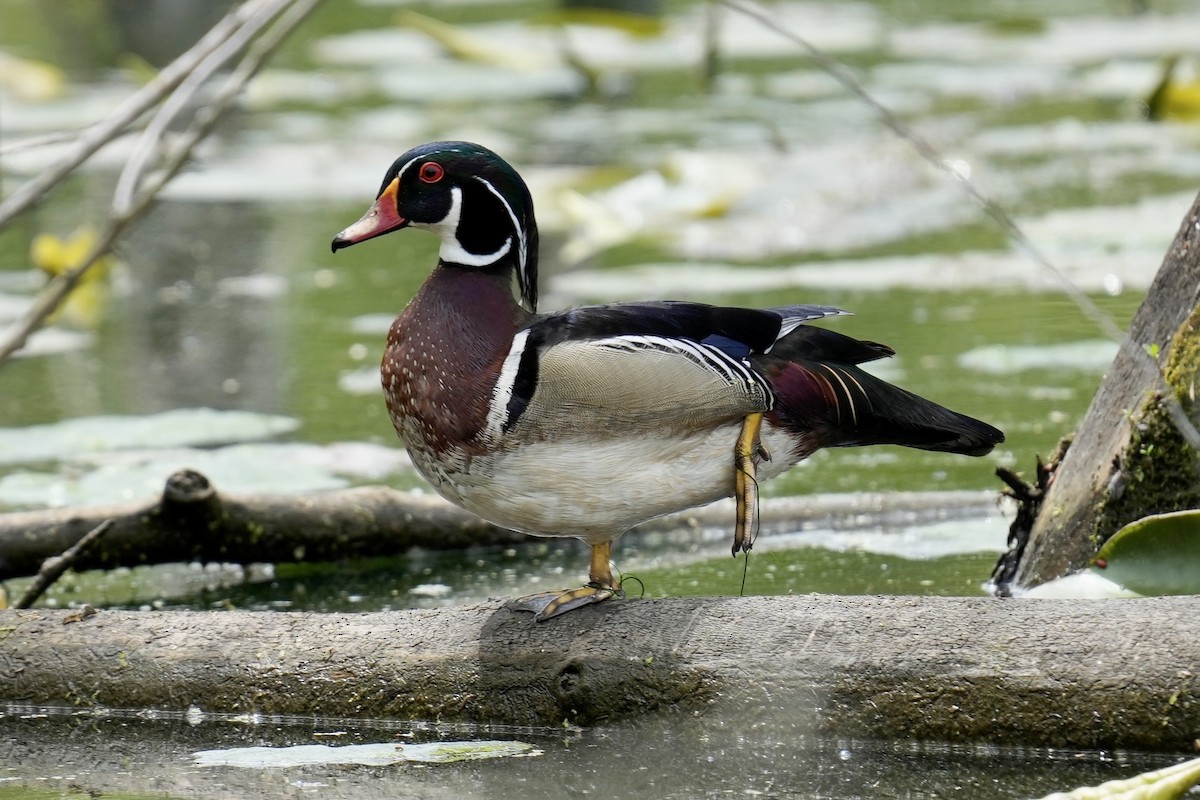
x: 548, y: 605
x: 601, y: 587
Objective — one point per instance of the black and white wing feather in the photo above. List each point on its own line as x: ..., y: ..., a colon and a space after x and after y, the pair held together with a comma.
x: 671, y: 364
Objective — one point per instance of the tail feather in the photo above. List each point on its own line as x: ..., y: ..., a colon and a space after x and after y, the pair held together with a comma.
x: 807, y: 343
x: 840, y: 405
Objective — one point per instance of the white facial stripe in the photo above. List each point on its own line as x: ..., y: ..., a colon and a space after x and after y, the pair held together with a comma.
x: 502, y: 394
x: 402, y: 170
x: 517, y: 226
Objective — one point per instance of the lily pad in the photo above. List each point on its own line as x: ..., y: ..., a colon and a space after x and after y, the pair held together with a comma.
x: 376, y: 754
x: 53, y: 341
x: 105, y: 477
x: 183, y: 427
x: 1089, y: 355
x: 1157, y: 555
x: 1082, y: 585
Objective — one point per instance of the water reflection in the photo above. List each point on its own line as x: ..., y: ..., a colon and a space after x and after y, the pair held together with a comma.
x: 159, y: 30
x: 194, y: 332
x: 772, y: 752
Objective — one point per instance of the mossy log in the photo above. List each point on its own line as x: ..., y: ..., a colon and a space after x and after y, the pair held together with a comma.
x: 1128, y: 459
x: 1081, y: 674
x: 192, y: 521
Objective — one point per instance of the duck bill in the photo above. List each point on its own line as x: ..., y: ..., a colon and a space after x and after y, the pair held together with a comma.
x: 380, y: 218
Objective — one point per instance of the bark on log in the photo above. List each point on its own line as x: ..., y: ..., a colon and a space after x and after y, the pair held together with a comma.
x: 1082, y: 674
x: 194, y: 522
x: 1110, y: 474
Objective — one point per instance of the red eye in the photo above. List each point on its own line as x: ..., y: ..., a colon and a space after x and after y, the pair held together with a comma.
x: 432, y: 172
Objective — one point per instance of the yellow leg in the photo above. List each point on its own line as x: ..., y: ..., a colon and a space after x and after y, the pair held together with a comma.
x: 745, y: 482
x: 600, y: 570
x: 600, y: 587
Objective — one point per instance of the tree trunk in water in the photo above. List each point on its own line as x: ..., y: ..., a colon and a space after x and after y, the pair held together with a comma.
x: 1127, y: 459
x: 1081, y: 674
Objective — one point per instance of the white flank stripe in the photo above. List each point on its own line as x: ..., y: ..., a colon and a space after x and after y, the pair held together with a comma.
x: 502, y: 394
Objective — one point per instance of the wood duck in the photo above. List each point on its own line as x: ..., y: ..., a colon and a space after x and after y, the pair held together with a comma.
x: 588, y: 421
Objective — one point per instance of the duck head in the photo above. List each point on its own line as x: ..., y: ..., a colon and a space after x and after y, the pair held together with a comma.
x: 471, y: 198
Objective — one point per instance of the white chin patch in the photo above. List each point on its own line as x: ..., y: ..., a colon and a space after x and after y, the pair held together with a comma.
x: 452, y: 252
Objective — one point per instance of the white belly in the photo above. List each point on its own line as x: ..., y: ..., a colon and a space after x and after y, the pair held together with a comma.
x: 598, y: 490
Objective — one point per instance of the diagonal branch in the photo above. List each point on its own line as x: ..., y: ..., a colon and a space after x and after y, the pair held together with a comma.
x: 53, y: 568
x: 1018, y: 237
x: 131, y: 204
x: 191, y: 85
x: 95, y: 136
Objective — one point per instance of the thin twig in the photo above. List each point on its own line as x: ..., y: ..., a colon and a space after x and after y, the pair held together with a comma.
x: 1018, y: 237
x: 95, y: 136
x: 57, y: 290
x: 53, y: 568
x: 179, y: 99
x: 206, y: 118
x: 927, y: 151
x: 41, y: 140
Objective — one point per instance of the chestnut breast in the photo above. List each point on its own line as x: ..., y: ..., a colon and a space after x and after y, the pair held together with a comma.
x: 443, y: 357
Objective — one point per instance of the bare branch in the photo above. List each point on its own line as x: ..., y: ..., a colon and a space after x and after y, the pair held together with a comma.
x: 927, y: 151
x: 42, y: 140
x: 195, y: 80
x: 53, y: 568
x: 194, y: 520
x: 101, y: 133
x: 258, y: 54
x: 120, y: 217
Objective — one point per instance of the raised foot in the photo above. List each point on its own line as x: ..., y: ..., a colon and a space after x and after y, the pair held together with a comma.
x: 745, y: 485
x: 547, y: 605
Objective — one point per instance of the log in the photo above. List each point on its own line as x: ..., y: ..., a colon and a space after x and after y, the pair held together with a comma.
x: 1127, y: 459
x: 192, y: 521
x: 1079, y: 674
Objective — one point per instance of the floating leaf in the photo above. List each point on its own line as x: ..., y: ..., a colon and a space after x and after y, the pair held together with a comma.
x: 54, y: 256
x: 182, y: 427
x: 53, y: 341
x: 31, y: 80
x: 1174, y: 98
x: 377, y: 754
x: 1083, y: 585
x: 462, y: 44
x: 1156, y: 555
x: 996, y: 359
x: 98, y: 478
x: 1163, y: 784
